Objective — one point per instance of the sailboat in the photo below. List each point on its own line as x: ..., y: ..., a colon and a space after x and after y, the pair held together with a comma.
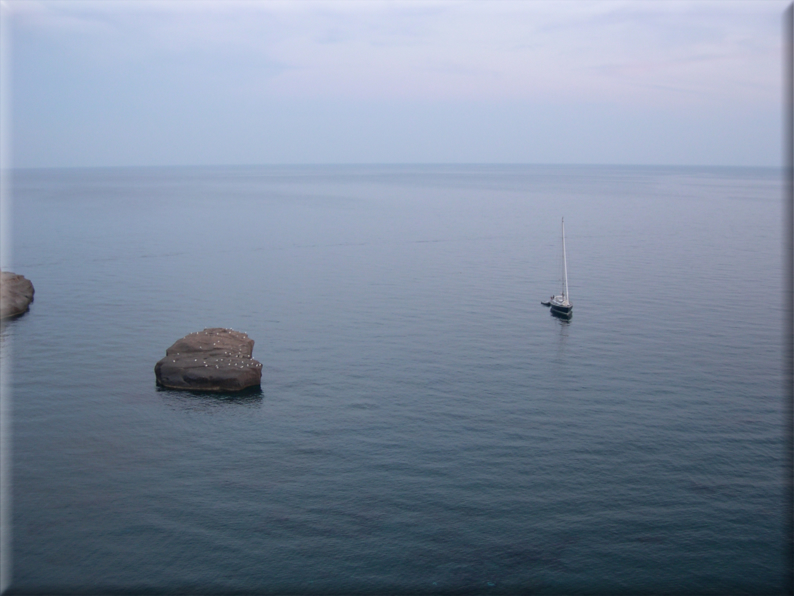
x: 561, y: 304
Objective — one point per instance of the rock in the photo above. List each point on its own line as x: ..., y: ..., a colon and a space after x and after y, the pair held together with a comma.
x: 16, y: 294
x: 210, y: 360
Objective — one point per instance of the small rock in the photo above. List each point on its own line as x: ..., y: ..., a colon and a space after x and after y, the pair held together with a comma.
x: 16, y: 294
x: 211, y: 360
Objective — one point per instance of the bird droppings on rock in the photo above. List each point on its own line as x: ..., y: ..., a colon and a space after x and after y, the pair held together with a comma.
x: 186, y: 364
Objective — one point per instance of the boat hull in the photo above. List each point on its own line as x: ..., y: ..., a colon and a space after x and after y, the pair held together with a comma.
x: 563, y: 310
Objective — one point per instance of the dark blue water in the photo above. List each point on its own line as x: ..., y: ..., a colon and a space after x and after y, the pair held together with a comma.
x: 424, y: 425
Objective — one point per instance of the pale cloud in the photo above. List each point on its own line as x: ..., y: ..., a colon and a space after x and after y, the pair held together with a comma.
x: 251, y: 75
x: 655, y: 51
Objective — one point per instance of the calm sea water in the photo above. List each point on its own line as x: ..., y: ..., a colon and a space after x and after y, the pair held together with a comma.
x: 424, y: 425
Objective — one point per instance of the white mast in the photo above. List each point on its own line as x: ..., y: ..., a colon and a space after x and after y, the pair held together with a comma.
x: 564, y: 267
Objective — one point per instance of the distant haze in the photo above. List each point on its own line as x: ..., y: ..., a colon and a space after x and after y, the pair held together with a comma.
x: 183, y: 83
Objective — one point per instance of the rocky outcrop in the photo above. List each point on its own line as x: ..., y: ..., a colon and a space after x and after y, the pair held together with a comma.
x: 211, y: 360
x: 16, y: 294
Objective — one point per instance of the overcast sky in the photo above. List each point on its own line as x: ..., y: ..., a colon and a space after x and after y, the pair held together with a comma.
x: 190, y: 83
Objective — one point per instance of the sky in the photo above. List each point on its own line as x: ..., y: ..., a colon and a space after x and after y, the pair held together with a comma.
x: 160, y: 83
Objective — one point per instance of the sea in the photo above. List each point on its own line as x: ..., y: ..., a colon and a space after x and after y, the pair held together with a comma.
x: 424, y: 425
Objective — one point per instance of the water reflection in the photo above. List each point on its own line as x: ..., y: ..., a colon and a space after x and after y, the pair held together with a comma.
x: 7, y: 327
x: 206, y: 400
x: 564, y: 322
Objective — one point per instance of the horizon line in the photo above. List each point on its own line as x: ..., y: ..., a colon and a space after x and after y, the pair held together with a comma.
x: 389, y: 164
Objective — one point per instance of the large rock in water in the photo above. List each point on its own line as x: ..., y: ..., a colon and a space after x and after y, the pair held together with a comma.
x: 210, y: 360
x: 16, y: 294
